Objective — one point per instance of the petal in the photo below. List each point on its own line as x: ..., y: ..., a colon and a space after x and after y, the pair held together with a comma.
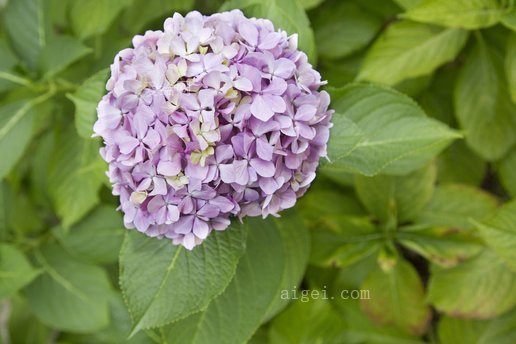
x: 264, y: 149
x: 200, y: 229
x: 305, y: 112
x: 249, y: 32
x: 260, y: 109
x: 243, y: 84
x: 262, y: 167
x: 276, y: 103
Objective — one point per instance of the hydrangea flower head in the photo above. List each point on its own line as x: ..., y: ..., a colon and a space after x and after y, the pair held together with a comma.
x: 214, y: 117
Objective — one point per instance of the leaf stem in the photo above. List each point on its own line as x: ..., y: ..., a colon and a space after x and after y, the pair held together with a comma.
x: 16, y: 79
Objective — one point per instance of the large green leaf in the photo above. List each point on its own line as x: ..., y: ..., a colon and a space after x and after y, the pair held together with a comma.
x: 407, y: 4
x: 307, y: 322
x: 59, y: 53
x: 499, y: 330
x: 342, y: 28
x: 69, y: 295
x: 396, y: 136
x: 287, y: 15
x: 483, y: 105
x: 28, y: 28
x: 93, y: 17
x: 397, y: 298
x: 75, y: 176
x: 396, y: 199
x: 86, y: 98
x: 407, y: 50
x: 453, y: 206
x: 483, y: 287
x: 163, y: 283
x: 459, y: 164
x: 468, y: 14
x: 507, y: 172
x: 275, y: 259
x: 97, y: 238
x: 15, y: 270
x: 499, y: 232
x: 510, y: 65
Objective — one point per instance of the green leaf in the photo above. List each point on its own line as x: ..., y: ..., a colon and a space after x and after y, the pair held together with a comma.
x: 275, y: 259
x: 499, y: 330
x: 407, y: 4
x: 286, y: 15
x: 7, y: 58
x: 24, y: 327
x: 59, y: 53
x: 141, y: 12
x: 163, y: 283
x: 343, y: 240
x: 507, y: 172
x: 453, y: 206
x: 70, y: 295
x: 308, y: 4
x: 93, y: 17
x: 483, y: 287
x: 15, y: 270
x: 499, y: 232
x: 85, y: 99
x: 97, y: 238
x: 397, y: 135
x: 483, y: 105
x: 458, y: 164
x: 442, y: 246
x: 313, y: 321
x: 26, y: 25
x: 510, y: 65
x: 393, y: 199
x: 407, y: 50
x: 468, y: 14
x: 75, y: 176
x: 509, y: 20
x: 342, y: 28
x: 397, y: 298
x: 15, y: 133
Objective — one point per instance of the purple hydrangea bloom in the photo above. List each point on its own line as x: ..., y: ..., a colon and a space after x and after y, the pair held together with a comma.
x: 214, y: 117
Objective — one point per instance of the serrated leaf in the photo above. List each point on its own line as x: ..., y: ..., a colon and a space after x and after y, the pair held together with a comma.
x: 453, y: 206
x: 509, y: 20
x: 483, y: 288
x: 27, y: 27
x: 342, y: 28
x: 59, y: 53
x: 286, y: 15
x: 15, y: 270
x: 396, y: 199
x: 275, y: 259
x: 75, y: 176
x: 93, y: 17
x: 397, y: 137
x: 397, y: 298
x: 309, y: 322
x: 483, y: 105
x: 343, y: 240
x: 407, y: 4
x: 468, y: 14
x: 69, y: 295
x: 85, y: 99
x: 163, y: 283
x: 499, y: 232
x: 510, y: 65
x: 442, y: 246
x: 407, y: 50
x: 97, y: 238
x: 499, y: 330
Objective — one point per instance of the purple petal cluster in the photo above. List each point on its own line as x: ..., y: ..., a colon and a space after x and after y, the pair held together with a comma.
x: 214, y: 117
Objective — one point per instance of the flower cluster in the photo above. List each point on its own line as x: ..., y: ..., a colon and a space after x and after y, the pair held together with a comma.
x: 214, y: 117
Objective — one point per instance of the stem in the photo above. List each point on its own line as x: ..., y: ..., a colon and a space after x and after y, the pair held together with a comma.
x: 16, y: 79
x: 5, y: 313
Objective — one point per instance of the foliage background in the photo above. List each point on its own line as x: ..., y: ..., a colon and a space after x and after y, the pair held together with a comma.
x: 415, y: 206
